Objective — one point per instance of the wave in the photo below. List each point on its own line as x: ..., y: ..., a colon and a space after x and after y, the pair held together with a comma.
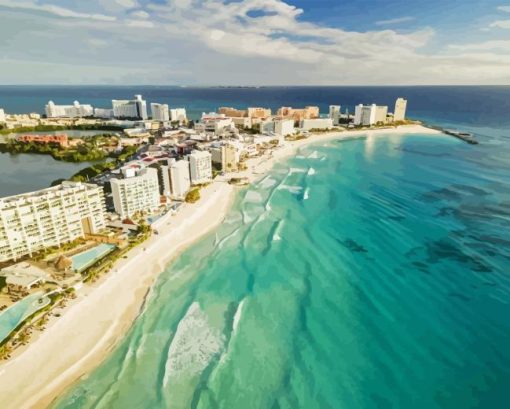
x: 193, y: 347
x: 292, y: 189
x: 311, y: 172
x: 236, y: 218
x: 237, y: 317
x: 253, y: 197
x: 313, y: 155
x: 267, y: 182
x: 306, y: 195
x: 277, y: 233
x: 296, y: 170
x: 227, y: 237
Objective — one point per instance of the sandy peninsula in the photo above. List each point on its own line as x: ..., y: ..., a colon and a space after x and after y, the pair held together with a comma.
x: 91, y: 326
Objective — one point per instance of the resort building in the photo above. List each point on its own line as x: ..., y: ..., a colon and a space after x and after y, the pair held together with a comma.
x: 400, y: 110
x: 136, y: 108
x: 2, y: 115
x: 160, y: 112
x: 233, y: 112
x: 226, y: 156
x: 284, y: 127
x: 257, y: 112
x: 309, y: 112
x: 381, y: 113
x: 68, y: 111
x: 365, y: 115
x: 200, y: 167
x: 176, y: 179
x: 242, y: 122
x: 61, y: 140
x: 179, y: 115
x: 335, y: 114
x: 31, y: 222
x: 137, y: 192
x: 318, y: 124
x: 103, y: 113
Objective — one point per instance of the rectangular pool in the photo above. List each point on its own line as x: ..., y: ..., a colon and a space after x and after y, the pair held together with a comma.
x: 82, y: 261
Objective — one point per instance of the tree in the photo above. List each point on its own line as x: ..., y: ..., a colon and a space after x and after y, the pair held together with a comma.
x: 193, y: 196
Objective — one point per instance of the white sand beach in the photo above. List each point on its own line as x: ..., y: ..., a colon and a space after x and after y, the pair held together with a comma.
x: 92, y: 325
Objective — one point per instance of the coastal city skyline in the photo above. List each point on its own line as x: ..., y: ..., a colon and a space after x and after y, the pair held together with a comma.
x: 254, y: 42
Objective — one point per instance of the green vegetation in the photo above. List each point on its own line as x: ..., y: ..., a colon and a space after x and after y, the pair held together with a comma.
x: 193, y: 195
x: 47, y: 128
x: 2, y: 283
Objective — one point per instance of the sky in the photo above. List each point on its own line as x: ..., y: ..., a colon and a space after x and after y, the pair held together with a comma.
x: 255, y: 42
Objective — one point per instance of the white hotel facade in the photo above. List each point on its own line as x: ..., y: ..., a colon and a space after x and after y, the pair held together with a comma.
x: 200, y: 166
x: 176, y: 179
x: 31, y: 222
x: 136, y: 193
x: 76, y: 110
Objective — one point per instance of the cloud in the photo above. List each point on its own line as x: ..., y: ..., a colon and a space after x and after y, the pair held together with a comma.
x: 487, y: 45
x: 395, y: 21
x: 505, y: 24
x: 55, y: 10
x: 250, y: 42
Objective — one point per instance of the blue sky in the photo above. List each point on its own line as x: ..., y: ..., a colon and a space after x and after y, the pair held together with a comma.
x: 255, y: 42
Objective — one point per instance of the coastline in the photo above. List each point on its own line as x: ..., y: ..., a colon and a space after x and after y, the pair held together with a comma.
x: 48, y: 357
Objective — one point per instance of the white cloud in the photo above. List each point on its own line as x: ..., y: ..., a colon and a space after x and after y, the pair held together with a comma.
x: 395, y: 21
x: 505, y: 24
x: 55, y: 10
x: 217, y: 42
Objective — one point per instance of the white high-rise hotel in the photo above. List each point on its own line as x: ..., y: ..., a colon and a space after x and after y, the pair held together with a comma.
x: 136, y: 108
x: 31, y: 222
x: 160, y: 112
x: 200, y: 166
x: 76, y: 110
x: 400, y: 109
x: 176, y: 179
x: 136, y: 193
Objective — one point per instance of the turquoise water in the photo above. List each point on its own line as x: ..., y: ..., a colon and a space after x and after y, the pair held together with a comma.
x: 83, y: 260
x: 371, y: 273
x: 14, y: 315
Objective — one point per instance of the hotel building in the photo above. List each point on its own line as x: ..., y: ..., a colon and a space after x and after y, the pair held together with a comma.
x: 137, y: 192
x: 257, y: 112
x: 317, y: 123
x: 176, y: 179
x: 365, y: 115
x: 136, y: 108
x: 103, y: 113
x: 309, y: 112
x: 400, y: 109
x: 178, y: 114
x: 31, y: 222
x: 284, y: 127
x: 233, y: 112
x: 160, y: 112
x: 335, y: 114
x: 2, y: 115
x: 200, y: 166
x: 68, y: 111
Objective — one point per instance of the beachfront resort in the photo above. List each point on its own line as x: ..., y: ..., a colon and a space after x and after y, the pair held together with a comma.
x: 147, y: 170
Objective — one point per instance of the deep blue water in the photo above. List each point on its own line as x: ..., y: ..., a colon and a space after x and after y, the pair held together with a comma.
x: 371, y: 273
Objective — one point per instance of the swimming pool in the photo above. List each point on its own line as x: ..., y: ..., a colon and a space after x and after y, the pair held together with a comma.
x: 84, y: 260
x: 16, y: 313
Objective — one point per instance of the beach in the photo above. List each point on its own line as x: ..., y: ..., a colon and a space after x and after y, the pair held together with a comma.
x: 76, y: 343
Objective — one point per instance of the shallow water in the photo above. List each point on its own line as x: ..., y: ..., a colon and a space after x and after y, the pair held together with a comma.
x: 377, y: 280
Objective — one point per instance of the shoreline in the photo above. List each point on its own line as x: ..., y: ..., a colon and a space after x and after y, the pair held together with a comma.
x: 48, y: 355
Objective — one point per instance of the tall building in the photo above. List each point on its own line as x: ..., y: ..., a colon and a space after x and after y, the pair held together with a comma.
x: 226, y: 156
x: 178, y: 114
x: 365, y: 114
x: 31, y: 222
x: 76, y: 110
x: 381, y: 112
x: 160, y: 112
x: 335, y: 113
x: 176, y: 179
x: 2, y: 115
x: 136, y: 108
x: 137, y: 192
x: 400, y: 109
x: 200, y: 167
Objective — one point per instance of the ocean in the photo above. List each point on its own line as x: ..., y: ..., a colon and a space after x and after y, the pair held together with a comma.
x: 368, y: 273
